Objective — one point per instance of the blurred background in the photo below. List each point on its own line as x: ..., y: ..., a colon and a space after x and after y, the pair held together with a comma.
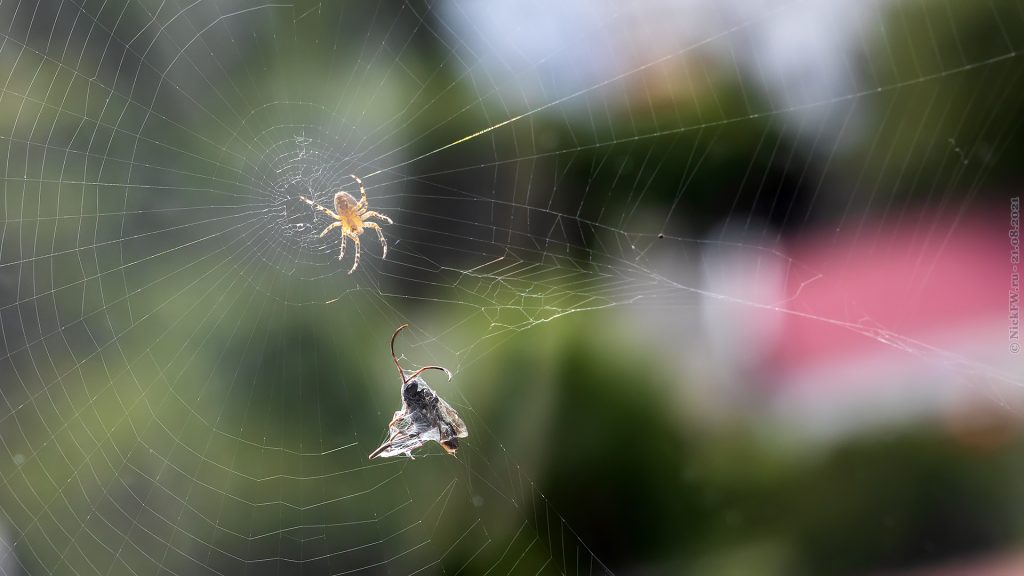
x: 727, y: 287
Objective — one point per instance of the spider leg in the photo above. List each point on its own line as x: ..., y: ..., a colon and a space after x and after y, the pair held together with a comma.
x: 380, y: 235
x: 319, y: 207
x: 342, y: 254
x: 362, y: 194
x: 372, y: 214
x: 355, y: 260
x: 332, y: 226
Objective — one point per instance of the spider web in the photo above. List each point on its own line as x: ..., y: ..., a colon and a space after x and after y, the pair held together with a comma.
x: 191, y: 378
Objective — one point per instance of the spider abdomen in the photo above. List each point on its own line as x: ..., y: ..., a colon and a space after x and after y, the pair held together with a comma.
x: 348, y: 212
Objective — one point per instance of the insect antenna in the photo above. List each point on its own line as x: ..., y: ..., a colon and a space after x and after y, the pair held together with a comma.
x: 401, y: 371
x: 425, y: 368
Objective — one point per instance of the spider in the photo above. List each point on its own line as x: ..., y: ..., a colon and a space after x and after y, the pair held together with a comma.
x: 351, y: 217
x: 424, y: 416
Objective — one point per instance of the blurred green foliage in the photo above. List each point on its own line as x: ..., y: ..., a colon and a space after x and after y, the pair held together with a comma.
x: 164, y: 430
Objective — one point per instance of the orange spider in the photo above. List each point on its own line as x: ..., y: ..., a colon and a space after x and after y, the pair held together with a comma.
x: 351, y: 217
